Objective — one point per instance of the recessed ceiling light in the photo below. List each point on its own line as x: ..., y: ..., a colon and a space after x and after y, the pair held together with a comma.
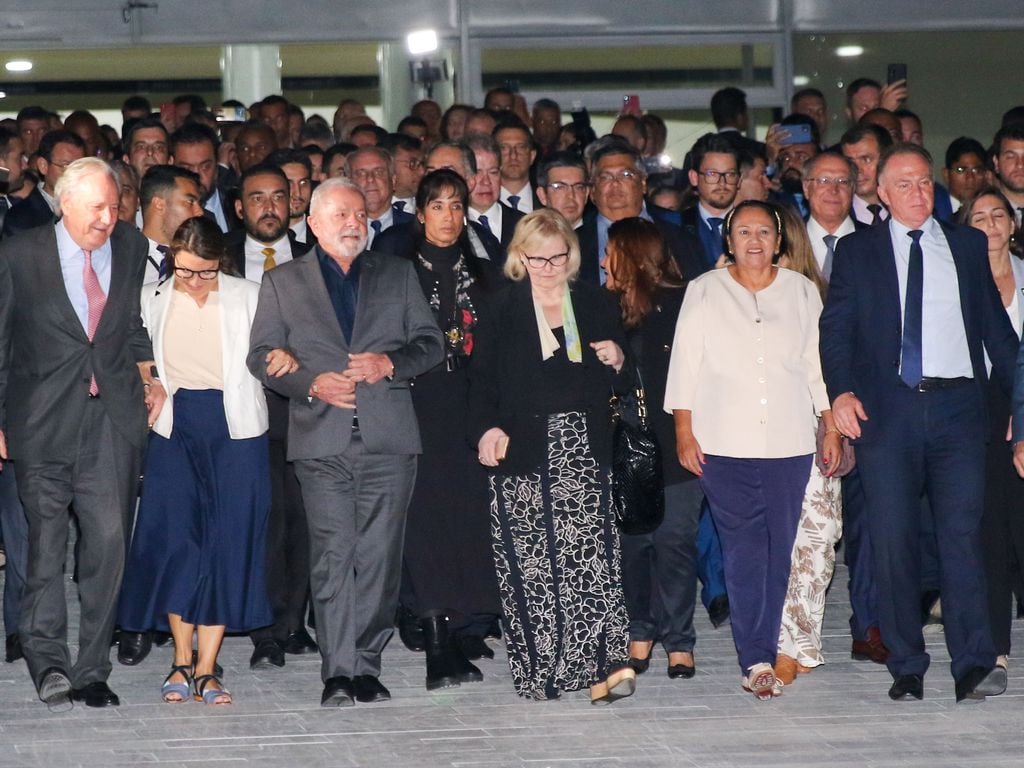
x: 3, y: 94
x: 18, y: 65
x: 801, y: 80
x: 848, y: 51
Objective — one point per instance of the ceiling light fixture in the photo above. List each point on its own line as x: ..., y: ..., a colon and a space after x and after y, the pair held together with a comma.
x: 18, y: 65
x: 849, y: 51
x: 801, y: 80
x: 421, y: 42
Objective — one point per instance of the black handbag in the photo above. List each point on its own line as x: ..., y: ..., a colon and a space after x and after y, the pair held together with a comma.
x: 638, y: 488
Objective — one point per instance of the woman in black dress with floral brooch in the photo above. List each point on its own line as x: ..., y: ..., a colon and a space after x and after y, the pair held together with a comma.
x: 449, y: 573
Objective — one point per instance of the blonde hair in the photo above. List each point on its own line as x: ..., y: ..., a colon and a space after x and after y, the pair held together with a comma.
x: 798, y: 251
x: 76, y: 172
x: 531, y: 231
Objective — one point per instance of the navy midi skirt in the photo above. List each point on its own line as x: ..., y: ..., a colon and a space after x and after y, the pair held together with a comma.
x: 200, y: 537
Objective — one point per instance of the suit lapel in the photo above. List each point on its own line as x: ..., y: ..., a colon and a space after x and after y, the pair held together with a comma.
x: 121, y: 270
x: 51, y: 274
x: 319, y: 300
x: 367, y: 285
x: 890, y: 298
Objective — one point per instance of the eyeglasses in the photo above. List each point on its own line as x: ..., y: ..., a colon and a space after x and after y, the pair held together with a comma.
x: 713, y: 177
x: 539, y: 262
x: 561, y: 186
x: 622, y: 177
x: 514, y: 149
x: 411, y: 164
x: 149, y: 149
x: 363, y: 174
x: 187, y: 274
x: 969, y: 170
x: 827, y: 181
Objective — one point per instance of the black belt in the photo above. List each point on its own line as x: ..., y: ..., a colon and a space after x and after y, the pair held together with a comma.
x: 932, y: 383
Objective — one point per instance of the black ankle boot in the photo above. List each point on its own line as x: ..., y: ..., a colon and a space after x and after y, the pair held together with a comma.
x: 467, y: 670
x: 442, y: 667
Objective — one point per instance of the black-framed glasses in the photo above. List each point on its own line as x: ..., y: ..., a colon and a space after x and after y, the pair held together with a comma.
x: 561, y: 186
x: 187, y: 274
x: 622, y: 177
x: 539, y: 262
x: 713, y: 177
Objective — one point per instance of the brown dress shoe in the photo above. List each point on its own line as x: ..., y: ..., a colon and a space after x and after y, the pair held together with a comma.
x: 870, y: 649
x: 785, y: 669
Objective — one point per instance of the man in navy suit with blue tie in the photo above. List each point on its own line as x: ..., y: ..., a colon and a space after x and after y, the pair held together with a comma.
x: 912, y: 312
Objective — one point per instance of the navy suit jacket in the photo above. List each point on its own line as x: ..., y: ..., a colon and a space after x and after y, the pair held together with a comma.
x: 861, y: 327
x: 684, y: 246
x: 31, y: 212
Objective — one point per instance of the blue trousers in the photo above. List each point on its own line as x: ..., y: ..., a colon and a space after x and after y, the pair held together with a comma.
x: 756, y: 504
x: 710, y: 568
x: 941, y: 453
x: 859, y: 558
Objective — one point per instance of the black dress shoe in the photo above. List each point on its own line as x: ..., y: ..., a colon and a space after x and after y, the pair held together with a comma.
x: 684, y: 671
x: 338, y: 692
x: 96, y: 694
x: 718, y: 611
x: 369, y: 689
x: 906, y: 687
x: 300, y: 643
x: 267, y: 653
x: 474, y: 647
x: 639, y: 665
x: 133, y: 647
x: 467, y: 671
x: 14, y: 651
x: 979, y: 683
x: 54, y: 686
x: 160, y: 639
x: 409, y: 630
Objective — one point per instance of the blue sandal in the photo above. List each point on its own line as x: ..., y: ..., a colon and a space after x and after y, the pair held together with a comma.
x: 210, y: 696
x: 181, y: 690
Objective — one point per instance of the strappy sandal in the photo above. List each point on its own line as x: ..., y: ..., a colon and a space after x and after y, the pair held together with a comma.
x: 181, y: 690
x: 210, y: 696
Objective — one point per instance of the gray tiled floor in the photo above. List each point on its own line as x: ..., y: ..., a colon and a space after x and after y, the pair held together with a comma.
x: 837, y: 716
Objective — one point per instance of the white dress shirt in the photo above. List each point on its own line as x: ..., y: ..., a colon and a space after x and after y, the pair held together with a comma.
x: 816, y: 233
x: 861, y: 212
x: 386, y: 219
x: 746, y: 364
x: 301, y: 231
x: 153, y: 260
x: 254, y: 256
x: 215, y: 205
x: 493, y: 215
x: 525, y: 198
x: 944, y: 350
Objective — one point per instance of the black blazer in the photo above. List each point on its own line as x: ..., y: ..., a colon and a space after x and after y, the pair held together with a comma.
x: 509, y: 218
x: 235, y: 241
x: 684, y: 246
x: 861, y: 330
x: 31, y: 212
x: 46, y: 358
x: 650, y: 345
x: 402, y: 240
x: 506, y: 366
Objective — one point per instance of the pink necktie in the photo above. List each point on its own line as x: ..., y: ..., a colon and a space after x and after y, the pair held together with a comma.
x: 97, y: 300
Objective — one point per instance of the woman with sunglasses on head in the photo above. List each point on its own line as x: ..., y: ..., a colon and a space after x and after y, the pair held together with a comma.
x: 196, y: 561
x: 1002, y: 522
x: 744, y: 385
x: 548, y: 357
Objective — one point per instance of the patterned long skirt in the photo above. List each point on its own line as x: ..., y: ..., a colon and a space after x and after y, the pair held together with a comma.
x: 814, y: 560
x: 556, y: 551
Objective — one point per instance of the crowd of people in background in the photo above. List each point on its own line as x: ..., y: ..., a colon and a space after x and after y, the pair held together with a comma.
x: 365, y: 378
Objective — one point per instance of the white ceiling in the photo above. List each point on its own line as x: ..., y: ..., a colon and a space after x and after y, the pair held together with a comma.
x: 94, y: 23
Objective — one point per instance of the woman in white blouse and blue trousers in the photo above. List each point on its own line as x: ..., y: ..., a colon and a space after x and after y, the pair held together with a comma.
x: 745, y: 386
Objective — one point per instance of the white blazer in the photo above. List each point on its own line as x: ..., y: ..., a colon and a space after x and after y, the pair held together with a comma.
x: 244, y: 402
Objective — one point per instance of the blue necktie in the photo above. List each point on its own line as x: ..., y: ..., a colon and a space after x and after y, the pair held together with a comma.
x: 399, y: 205
x: 876, y: 213
x: 162, y: 269
x: 715, y: 225
x: 910, y: 355
x: 513, y: 200
x: 482, y: 221
x: 830, y: 243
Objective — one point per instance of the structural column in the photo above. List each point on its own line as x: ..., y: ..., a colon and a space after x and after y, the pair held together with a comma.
x: 250, y: 72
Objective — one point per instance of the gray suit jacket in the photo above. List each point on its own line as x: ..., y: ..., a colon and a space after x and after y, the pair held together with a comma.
x: 46, y: 358
x: 392, y: 317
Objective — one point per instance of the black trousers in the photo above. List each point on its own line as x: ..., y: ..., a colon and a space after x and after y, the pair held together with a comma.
x: 1002, y: 537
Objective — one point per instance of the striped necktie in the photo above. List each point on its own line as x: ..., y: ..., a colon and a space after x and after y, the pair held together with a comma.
x: 268, y: 261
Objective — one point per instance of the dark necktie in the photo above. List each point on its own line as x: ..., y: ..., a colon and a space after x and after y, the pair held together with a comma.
x: 375, y: 226
x: 95, y: 300
x: 482, y: 221
x: 4, y: 205
x: 161, y: 271
x: 513, y: 200
x: 715, y: 225
x: 876, y: 213
x: 830, y: 253
x: 910, y: 356
x: 399, y: 205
